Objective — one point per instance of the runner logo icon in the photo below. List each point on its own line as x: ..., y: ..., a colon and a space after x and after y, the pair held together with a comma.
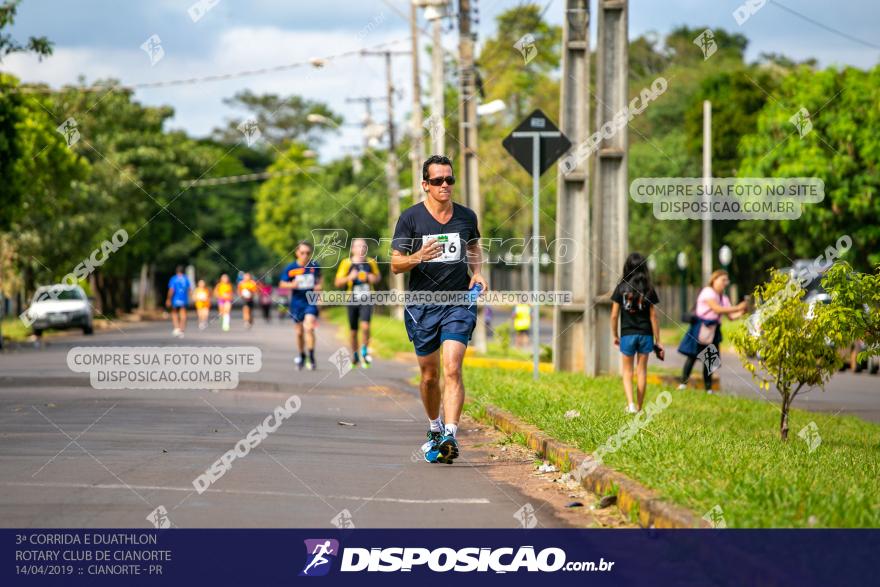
x: 320, y: 553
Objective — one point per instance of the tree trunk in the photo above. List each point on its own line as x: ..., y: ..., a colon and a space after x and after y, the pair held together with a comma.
x: 142, y: 289
x: 783, y: 422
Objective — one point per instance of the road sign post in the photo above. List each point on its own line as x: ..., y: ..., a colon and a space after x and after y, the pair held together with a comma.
x: 540, y: 136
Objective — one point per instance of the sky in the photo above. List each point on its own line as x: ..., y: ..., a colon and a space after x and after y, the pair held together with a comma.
x: 102, y: 38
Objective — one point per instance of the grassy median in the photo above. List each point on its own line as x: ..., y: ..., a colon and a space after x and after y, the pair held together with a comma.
x: 704, y: 450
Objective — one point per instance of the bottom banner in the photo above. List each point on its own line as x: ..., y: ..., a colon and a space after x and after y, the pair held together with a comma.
x: 400, y: 557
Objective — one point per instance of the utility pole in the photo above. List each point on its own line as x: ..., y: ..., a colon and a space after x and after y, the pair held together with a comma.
x: 609, y: 214
x: 707, y: 184
x: 391, y: 169
x: 368, y: 103
x: 435, y: 11
x: 417, y: 153
x: 570, y: 332
x: 467, y: 113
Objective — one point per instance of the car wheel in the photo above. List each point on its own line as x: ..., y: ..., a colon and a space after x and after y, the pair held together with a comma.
x: 875, y: 365
x: 38, y: 332
x: 88, y: 330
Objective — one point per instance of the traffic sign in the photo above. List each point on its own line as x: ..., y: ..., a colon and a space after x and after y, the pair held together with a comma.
x: 553, y: 144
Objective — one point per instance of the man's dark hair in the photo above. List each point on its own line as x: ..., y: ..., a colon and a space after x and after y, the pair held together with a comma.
x: 435, y: 160
x: 179, y: 269
x: 306, y: 243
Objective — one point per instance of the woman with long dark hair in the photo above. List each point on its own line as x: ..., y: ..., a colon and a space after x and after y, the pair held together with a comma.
x: 634, y: 302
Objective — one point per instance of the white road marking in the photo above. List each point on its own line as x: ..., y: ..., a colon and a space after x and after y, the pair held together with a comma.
x: 116, y: 486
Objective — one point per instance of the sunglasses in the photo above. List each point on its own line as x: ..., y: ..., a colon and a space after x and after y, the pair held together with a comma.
x: 438, y: 181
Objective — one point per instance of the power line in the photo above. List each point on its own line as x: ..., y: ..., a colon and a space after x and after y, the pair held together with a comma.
x: 825, y: 26
x: 314, y: 62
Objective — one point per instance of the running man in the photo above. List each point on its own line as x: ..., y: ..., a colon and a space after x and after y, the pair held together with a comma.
x: 247, y: 291
x: 358, y: 274
x: 223, y: 293
x: 177, y: 300
x: 301, y: 277
x: 437, y: 241
x: 203, y: 303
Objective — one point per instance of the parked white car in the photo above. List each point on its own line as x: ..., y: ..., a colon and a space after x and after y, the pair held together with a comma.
x: 60, y: 307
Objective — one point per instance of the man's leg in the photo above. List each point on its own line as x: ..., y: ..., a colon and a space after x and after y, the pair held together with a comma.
x: 309, y: 325
x: 429, y: 384
x: 300, y: 341
x: 174, y: 319
x: 182, y: 318
x: 453, y: 390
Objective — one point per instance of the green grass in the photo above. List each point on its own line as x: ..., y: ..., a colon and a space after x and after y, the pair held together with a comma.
x: 388, y: 337
x: 704, y: 450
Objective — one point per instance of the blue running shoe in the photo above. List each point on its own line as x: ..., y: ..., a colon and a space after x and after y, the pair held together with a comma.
x: 448, y: 448
x: 431, y: 448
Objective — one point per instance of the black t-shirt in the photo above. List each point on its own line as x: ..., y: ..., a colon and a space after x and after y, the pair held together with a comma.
x: 449, y: 272
x: 635, y: 309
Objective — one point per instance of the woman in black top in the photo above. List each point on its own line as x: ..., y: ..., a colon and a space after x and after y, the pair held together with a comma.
x: 639, y: 326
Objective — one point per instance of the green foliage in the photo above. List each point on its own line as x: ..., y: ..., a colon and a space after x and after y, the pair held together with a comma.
x: 843, y: 149
x: 797, y: 345
x: 39, y: 45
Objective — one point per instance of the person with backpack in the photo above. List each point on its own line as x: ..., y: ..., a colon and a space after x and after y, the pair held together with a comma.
x: 634, y: 302
x: 705, y: 328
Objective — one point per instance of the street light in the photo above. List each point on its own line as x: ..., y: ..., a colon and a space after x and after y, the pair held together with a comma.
x: 681, y: 261
x: 725, y: 255
x: 652, y: 263
x: 492, y: 107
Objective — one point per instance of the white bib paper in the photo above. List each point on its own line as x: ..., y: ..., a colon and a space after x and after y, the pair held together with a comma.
x: 305, y: 281
x: 451, y: 244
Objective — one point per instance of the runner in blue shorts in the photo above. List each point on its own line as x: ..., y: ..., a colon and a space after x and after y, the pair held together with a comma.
x: 177, y: 300
x: 437, y: 242
x: 301, y: 277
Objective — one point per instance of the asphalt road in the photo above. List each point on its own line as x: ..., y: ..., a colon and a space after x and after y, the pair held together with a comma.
x: 75, y: 456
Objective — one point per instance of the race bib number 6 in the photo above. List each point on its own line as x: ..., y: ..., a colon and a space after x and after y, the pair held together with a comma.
x: 450, y: 244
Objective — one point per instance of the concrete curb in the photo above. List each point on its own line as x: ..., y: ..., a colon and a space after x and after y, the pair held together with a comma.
x: 633, y: 499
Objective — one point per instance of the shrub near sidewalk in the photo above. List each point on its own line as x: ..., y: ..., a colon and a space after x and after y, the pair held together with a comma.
x: 797, y: 345
x: 706, y: 451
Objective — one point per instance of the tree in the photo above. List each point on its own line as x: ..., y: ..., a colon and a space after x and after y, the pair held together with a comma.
x: 842, y: 147
x: 280, y: 119
x: 796, y: 344
x: 39, y: 45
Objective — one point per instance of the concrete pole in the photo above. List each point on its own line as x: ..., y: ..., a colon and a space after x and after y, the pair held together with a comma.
x: 570, y: 334
x: 467, y: 108
x: 438, y: 110
x: 609, y: 220
x: 417, y: 154
x: 707, y: 184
